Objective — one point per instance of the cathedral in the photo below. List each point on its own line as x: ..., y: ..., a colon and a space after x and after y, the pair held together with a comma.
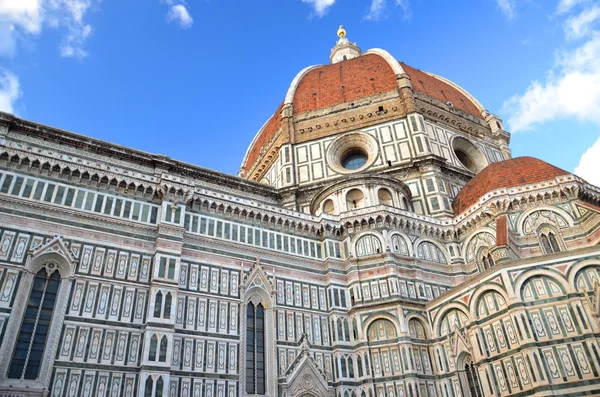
x: 379, y: 241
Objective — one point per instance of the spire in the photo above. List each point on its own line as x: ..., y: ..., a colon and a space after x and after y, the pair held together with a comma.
x: 343, y: 49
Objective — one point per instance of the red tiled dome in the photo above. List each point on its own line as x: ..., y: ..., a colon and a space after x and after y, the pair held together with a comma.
x: 370, y: 74
x: 440, y: 90
x: 505, y: 174
x: 345, y: 81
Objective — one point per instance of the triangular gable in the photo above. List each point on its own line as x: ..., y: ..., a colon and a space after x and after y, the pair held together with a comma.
x: 56, y: 245
x: 461, y: 342
x: 304, y: 376
x: 257, y: 277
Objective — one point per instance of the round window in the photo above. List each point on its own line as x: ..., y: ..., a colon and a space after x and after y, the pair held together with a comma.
x: 352, y: 152
x: 354, y: 159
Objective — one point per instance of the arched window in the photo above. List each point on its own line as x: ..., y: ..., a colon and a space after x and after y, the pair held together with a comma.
x: 159, y: 387
x: 344, y: 370
x: 340, y: 329
x: 29, y: 347
x: 430, y: 252
x: 167, y: 310
x: 385, y: 197
x: 406, y: 204
x: 163, y: 350
x: 355, y: 199
x: 329, y: 207
x: 153, y: 347
x: 346, y: 331
x: 549, y: 241
x: 368, y: 245
x: 148, y: 388
x: 157, y: 304
x: 472, y: 378
x: 359, y: 365
x: 486, y: 260
x: 399, y: 245
x: 255, y: 349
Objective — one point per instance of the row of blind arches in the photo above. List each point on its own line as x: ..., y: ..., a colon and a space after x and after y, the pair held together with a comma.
x: 371, y: 244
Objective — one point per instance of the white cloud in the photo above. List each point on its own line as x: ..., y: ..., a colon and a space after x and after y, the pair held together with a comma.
x: 507, y: 7
x: 582, y: 25
x: 320, y: 6
x: 180, y: 15
x: 589, y: 164
x: 376, y: 10
x: 10, y: 90
x: 565, y: 6
x: 571, y: 89
x: 20, y: 19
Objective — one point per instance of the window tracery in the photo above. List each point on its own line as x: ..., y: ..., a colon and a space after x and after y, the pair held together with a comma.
x: 549, y: 241
x: 31, y: 340
x: 368, y: 245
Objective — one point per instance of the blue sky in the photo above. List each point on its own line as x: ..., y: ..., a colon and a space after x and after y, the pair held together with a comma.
x: 195, y: 79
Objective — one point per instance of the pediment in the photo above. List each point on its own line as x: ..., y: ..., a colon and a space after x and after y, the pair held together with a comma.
x: 257, y: 278
x: 54, y: 246
x: 304, y: 377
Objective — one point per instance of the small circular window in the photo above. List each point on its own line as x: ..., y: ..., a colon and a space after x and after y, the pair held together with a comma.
x: 354, y: 159
x: 352, y: 152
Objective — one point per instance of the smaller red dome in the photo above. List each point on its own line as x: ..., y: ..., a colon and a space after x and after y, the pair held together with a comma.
x: 506, y: 174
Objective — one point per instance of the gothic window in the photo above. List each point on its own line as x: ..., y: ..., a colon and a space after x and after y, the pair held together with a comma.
x: 368, y: 245
x: 399, y: 245
x: 430, y: 252
x: 486, y: 260
x: 549, y: 241
x: 29, y: 347
x: 148, y: 388
x: 157, y: 304
x: 350, y: 368
x: 346, y: 331
x: 472, y: 379
x: 340, y: 329
x: 359, y: 365
x: 255, y: 349
x: 163, y: 350
x: 153, y: 347
x: 167, y: 310
x: 159, y: 387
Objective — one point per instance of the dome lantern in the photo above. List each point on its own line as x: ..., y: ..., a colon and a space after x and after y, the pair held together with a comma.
x: 343, y: 49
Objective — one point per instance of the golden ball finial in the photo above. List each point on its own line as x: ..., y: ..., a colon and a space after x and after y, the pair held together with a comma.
x: 341, y: 32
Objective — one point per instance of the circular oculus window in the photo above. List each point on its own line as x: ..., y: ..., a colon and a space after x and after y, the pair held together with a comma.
x: 352, y: 152
x: 354, y: 160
